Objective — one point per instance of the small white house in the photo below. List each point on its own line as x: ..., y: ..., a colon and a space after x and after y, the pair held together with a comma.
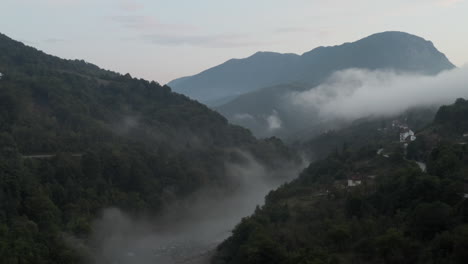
x: 354, y: 181
x: 1, y: 75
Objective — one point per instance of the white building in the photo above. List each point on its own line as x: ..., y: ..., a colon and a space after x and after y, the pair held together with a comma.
x: 1, y: 75
x: 354, y: 181
x: 406, y: 135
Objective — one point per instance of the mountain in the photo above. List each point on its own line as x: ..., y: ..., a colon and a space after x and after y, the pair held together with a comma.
x: 75, y: 139
x: 396, y: 51
x: 238, y: 76
x: 364, y: 206
x: 388, y: 50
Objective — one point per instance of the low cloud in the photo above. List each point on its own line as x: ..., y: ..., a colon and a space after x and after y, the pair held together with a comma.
x: 274, y: 121
x: 356, y: 93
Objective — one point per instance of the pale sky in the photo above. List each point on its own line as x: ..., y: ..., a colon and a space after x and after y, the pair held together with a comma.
x: 164, y: 39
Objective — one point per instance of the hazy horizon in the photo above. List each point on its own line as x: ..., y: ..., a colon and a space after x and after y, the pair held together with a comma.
x: 161, y: 41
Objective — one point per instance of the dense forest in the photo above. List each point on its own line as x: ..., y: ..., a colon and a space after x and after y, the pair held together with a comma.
x: 75, y: 139
x: 358, y: 206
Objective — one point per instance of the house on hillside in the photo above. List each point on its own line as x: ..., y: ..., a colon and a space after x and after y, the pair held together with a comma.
x: 407, y: 135
x: 354, y: 181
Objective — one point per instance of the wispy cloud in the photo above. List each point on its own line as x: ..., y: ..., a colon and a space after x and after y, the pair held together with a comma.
x: 292, y: 30
x: 410, y: 9
x: 54, y: 40
x: 62, y: 2
x: 448, y: 3
x: 318, y: 32
x: 130, y: 5
x: 147, y: 23
x: 274, y: 121
x: 152, y: 30
x: 213, y: 41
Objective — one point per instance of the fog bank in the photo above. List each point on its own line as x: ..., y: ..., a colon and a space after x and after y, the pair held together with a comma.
x: 356, y: 93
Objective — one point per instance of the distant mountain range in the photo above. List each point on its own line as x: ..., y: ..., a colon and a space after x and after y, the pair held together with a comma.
x: 239, y: 76
x: 250, y: 91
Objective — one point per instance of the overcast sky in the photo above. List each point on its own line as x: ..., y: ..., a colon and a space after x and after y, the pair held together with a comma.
x: 164, y: 39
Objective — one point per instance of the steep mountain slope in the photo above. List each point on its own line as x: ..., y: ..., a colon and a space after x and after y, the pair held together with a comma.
x: 452, y: 120
x: 367, y: 131
x: 389, y: 50
x: 238, y: 76
x: 75, y: 139
x: 450, y: 126
x: 358, y: 206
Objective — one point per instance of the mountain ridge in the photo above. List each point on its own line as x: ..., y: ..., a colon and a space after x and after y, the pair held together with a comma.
x: 312, y: 66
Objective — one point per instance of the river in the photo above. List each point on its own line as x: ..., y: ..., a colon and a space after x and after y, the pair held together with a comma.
x: 188, y: 232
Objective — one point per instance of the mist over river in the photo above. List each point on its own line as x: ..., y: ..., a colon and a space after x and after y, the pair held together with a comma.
x: 188, y: 231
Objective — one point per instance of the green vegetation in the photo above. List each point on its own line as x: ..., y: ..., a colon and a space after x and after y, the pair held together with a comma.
x: 75, y: 139
x: 398, y: 214
x: 451, y: 120
x: 369, y: 132
x: 108, y: 140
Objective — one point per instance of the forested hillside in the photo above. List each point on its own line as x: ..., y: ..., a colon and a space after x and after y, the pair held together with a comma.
x: 75, y: 139
x: 376, y: 132
x: 359, y: 206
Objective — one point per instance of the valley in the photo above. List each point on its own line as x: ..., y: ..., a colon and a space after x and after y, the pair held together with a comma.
x: 344, y: 154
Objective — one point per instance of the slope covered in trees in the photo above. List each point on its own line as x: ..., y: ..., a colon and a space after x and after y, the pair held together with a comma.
x: 75, y: 139
x: 397, y: 214
x: 453, y: 119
